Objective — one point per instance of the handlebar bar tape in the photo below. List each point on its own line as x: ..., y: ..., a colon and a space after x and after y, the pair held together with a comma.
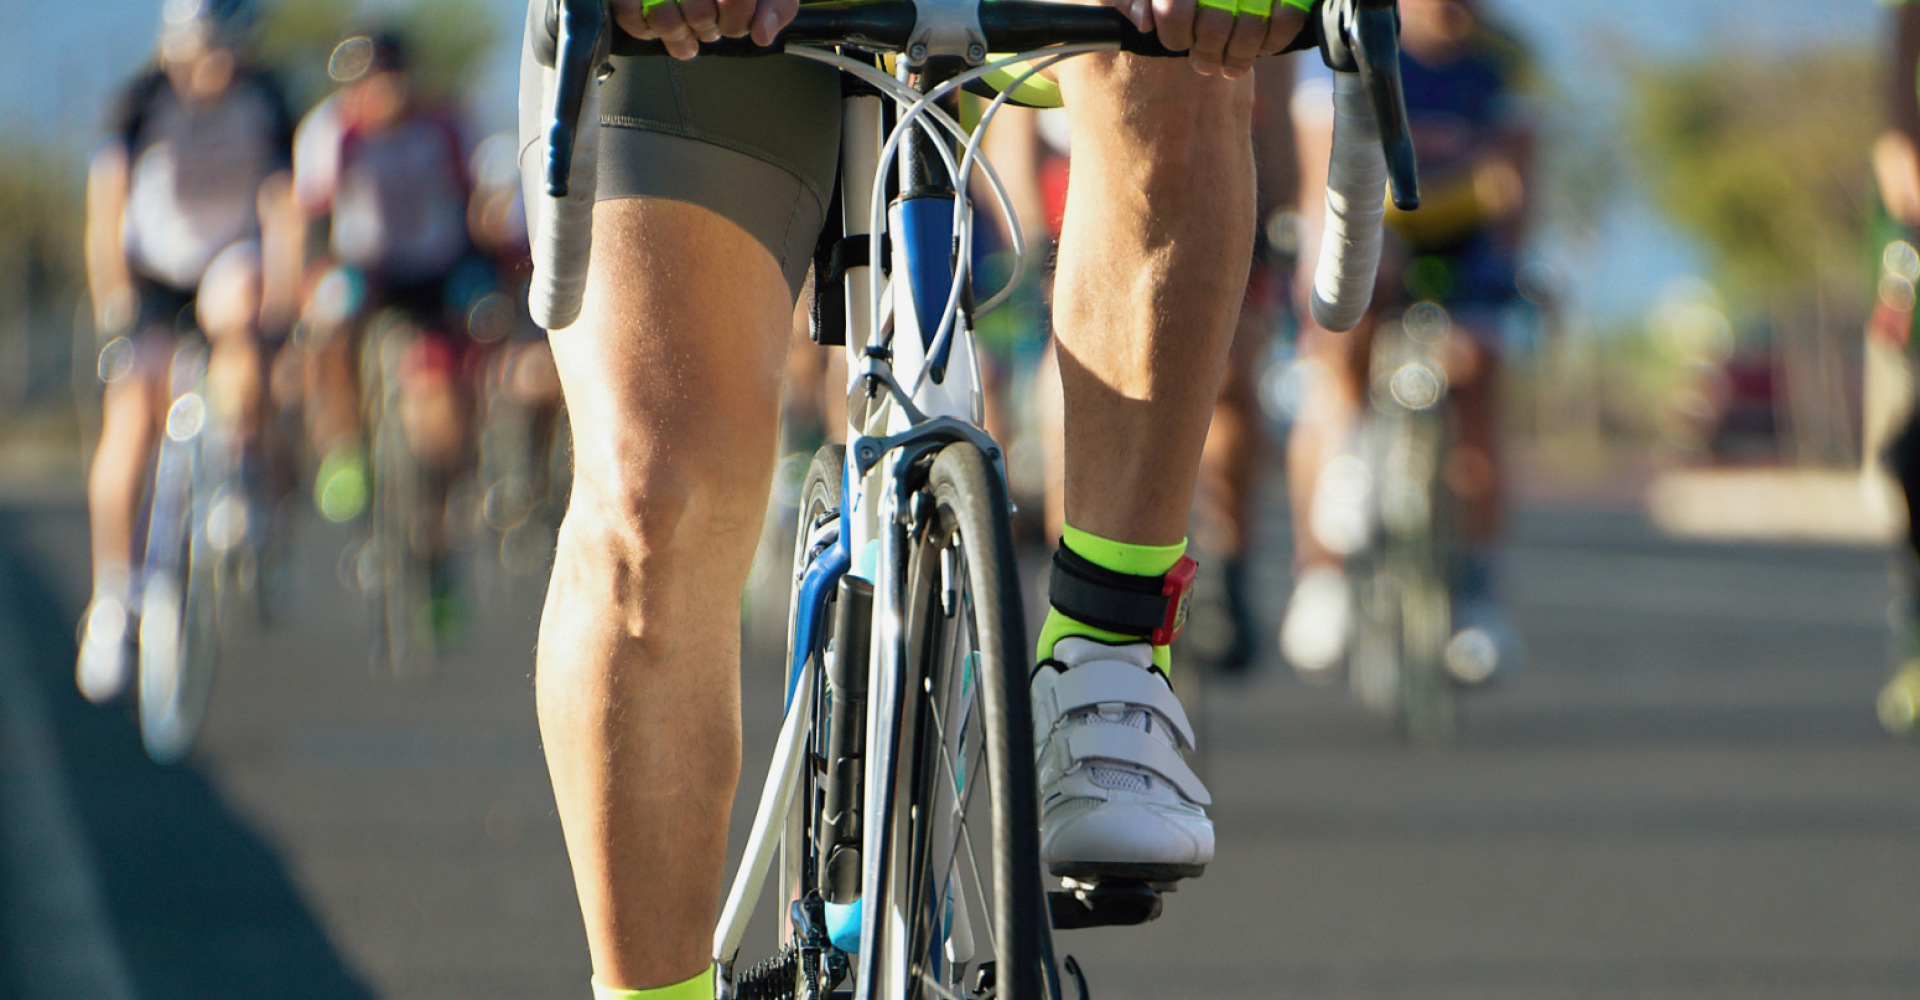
x: 1264, y: 8
x: 1356, y: 205
x: 562, y: 227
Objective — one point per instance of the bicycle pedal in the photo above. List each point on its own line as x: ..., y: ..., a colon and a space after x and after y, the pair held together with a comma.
x: 1107, y: 903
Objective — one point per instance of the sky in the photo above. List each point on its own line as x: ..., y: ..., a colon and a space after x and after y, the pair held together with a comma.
x: 61, y: 59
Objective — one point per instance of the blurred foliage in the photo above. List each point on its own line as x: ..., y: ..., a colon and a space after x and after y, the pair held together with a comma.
x: 1763, y: 160
x: 450, y: 40
x: 295, y: 39
x: 41, y: 270
x: 41, y: 196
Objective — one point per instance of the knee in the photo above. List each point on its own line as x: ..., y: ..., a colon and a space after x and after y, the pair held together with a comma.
x: 649, y: 517
x: 1162, y: 100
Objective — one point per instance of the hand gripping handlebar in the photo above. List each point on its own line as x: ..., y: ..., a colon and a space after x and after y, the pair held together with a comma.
x: 1358, y: 39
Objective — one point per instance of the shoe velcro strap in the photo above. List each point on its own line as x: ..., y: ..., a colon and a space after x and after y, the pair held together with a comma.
x: 1097, y: 596
x: 1109, y: 682
x: 1133, y: 748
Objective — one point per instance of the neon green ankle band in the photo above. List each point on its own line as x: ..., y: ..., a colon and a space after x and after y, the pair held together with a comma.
x: 700, y: 987
x: 1120, y: 557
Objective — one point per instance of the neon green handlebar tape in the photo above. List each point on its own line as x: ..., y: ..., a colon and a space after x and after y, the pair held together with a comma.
x: 1263, y: 8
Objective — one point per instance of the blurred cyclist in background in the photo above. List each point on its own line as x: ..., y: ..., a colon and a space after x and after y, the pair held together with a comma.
x: 193, y: 164
x: 1893, y: 421
x: 1464, y: 79
x: 389, y: 173
x: 1235, y: 459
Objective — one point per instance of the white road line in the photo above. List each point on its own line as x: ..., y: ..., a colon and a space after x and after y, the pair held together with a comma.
x: 54, y: 930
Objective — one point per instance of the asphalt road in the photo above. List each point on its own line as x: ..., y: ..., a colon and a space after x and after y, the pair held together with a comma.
x: 1686, y: 797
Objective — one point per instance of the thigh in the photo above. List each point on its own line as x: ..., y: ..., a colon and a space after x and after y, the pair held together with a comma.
x: 672, y: 375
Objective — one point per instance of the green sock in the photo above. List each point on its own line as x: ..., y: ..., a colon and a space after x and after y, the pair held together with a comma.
x: 700, y: 987
x: 1120, y: 557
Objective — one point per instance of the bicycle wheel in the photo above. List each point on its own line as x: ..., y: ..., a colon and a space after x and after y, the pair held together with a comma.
x: 1412, y: 595
x: 179, y: 621
x: 802, y: 965
x: 404, y: 636
x: 967, y: 913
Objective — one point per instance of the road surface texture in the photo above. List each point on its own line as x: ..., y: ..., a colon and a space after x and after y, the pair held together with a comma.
x: 1686, y: 797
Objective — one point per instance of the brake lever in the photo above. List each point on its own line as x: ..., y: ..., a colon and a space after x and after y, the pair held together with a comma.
x: 578, y: 26
x: 1363, y: 36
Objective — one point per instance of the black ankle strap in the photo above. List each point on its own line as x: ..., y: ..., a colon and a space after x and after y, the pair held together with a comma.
x: 1104, y: 599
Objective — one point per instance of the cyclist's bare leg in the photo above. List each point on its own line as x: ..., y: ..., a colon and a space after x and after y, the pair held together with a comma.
x: 1474, y: 472
x: 672, y: 380
x: 1230, y: 462
x: 1329, y: 417
x: 1153, y: 261
x: 229, y: 313
x: 117, y: 478
x: 330, y: 390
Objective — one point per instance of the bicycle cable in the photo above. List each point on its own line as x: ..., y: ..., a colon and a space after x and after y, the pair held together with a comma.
x: 919, y: 106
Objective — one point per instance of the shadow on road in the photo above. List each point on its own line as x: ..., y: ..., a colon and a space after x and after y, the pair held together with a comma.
x: 200, y: 902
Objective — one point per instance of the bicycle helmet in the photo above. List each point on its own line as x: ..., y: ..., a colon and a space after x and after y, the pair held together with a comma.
x: 222, y: 23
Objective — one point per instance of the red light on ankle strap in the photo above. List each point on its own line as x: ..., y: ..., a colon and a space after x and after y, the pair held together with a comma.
x: 1178, y: 583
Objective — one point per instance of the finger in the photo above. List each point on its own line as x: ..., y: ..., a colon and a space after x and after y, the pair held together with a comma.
x: 703, y: 18
x: 1174, y: 20
x: 736, y: 17
x: 631, y: 16
x: 1282, y: 28
x: 772, y: 18
x: 1140, y: 12
x: 1249, y: 31
x: 1211, y: 29
x: 670, y: 26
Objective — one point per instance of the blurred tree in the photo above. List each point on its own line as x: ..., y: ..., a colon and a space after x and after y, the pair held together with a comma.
x: 296, y: 37
x: 450, y: 40
x: 1763, y: 161
x: 40, y: 269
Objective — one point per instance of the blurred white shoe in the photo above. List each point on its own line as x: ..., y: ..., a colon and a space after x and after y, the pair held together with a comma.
x: 104, y: 666
x: 1116, y: 797
x: 1342, y: 512
x: 1319, y: 623
x: 1484, y: 647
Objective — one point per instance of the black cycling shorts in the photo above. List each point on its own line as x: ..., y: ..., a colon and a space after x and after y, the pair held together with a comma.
x: 756, y: 140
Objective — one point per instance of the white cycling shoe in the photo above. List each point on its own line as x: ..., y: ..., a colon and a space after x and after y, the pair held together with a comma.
x: 104, y: 667
x: 1117, y: 800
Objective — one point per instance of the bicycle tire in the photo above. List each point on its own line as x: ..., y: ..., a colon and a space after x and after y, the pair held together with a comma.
x: 179, y: 617
x: 403, y: 636
x: 967, y: 667
x: 1405, y: 599
x: 819, y: 503
x: 795, y: 967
